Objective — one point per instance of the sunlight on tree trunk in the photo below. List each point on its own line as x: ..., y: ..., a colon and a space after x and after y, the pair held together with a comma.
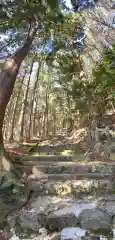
x: 46, y: 117
x: 30, y: 129
x: 23, y: 110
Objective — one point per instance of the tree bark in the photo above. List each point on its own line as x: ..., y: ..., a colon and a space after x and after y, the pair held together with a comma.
x: 54, y: 124
x: 30, y: 133
x: 7, y: 81
x: 8, y: 119
x: 15, y: 107
x: 46, y: 116
x: 43, y: 126
x: 35, y: 115
x: 23, y: 110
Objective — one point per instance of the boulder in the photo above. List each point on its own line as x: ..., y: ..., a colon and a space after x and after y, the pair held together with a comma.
x: 64, y: 216
x: 49, y: 204
x: 12, y: 197
x: 76, y: 208
x: 108, y: 207
x: 94, y: 219
x: 56, y: 222
x: 73, y: 233
x: 28, y: 220
x: 5, y: 209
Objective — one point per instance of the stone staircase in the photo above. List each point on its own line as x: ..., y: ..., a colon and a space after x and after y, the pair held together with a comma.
x: 73, y: 199
x: 61, y: 175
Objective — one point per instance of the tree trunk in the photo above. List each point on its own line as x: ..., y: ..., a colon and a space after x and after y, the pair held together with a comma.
x: 35, y: 114
x: 23, y: 110
x: 8, y: 119
x: 54, y: 124
x: 30, y: 131
x: 7, y: 81
x: 46, y: 117
x: 15, y: 107
x: 43, y: 126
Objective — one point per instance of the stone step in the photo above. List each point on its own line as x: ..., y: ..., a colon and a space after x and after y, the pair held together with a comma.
x: 68, y: 167
x: 58, y: 148
x: 76, y: 187
x: 58, y: 159
x: 59, y: 177
x: 64, y: 168
x: 75, y: 169
x: 57, y: 168
x: 68, y: 163
x: 49, y: 158
x: 66, y: 177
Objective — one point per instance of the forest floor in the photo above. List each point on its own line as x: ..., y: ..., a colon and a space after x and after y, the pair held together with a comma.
x: 63, y: 185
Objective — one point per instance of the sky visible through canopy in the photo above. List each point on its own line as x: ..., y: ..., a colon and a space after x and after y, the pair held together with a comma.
x: 48, y: 47
x: 68, y: 3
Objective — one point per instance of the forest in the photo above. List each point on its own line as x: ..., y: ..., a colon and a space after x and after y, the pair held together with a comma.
x: 57, y: 117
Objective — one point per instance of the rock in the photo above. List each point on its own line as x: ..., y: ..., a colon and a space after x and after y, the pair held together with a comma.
x: 14, y: 237
x: 73, y: 233
x: 54, y: 222
x: 112, y: 147
x: 64, y: 216
x: 105, y: 184
x: 60, y: 188
x: 70, y: 187
x: 76, y: 168
x: 107, y: 198
x: 11, y: 200
x: 36, y: 186
x: 43, y: 233
x: 67, y: 169
x: 102, y: 168
x: 77, y: 186
x: 4, y: 210
x: 113, y: 222
x: 49, y: 204
x: 29, y: 220
x: 11, y: 219
x: 54, y: 236
x: 94, y: 219
x: 108, y: 207
x: 92, y: 236
x: 90, y: 185
x: 83, y: 185
x: 81, y: 168
x: 56, y: 169
x: 76, y: 208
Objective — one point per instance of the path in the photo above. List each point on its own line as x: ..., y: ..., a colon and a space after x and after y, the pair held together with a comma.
x: 62, y: 182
